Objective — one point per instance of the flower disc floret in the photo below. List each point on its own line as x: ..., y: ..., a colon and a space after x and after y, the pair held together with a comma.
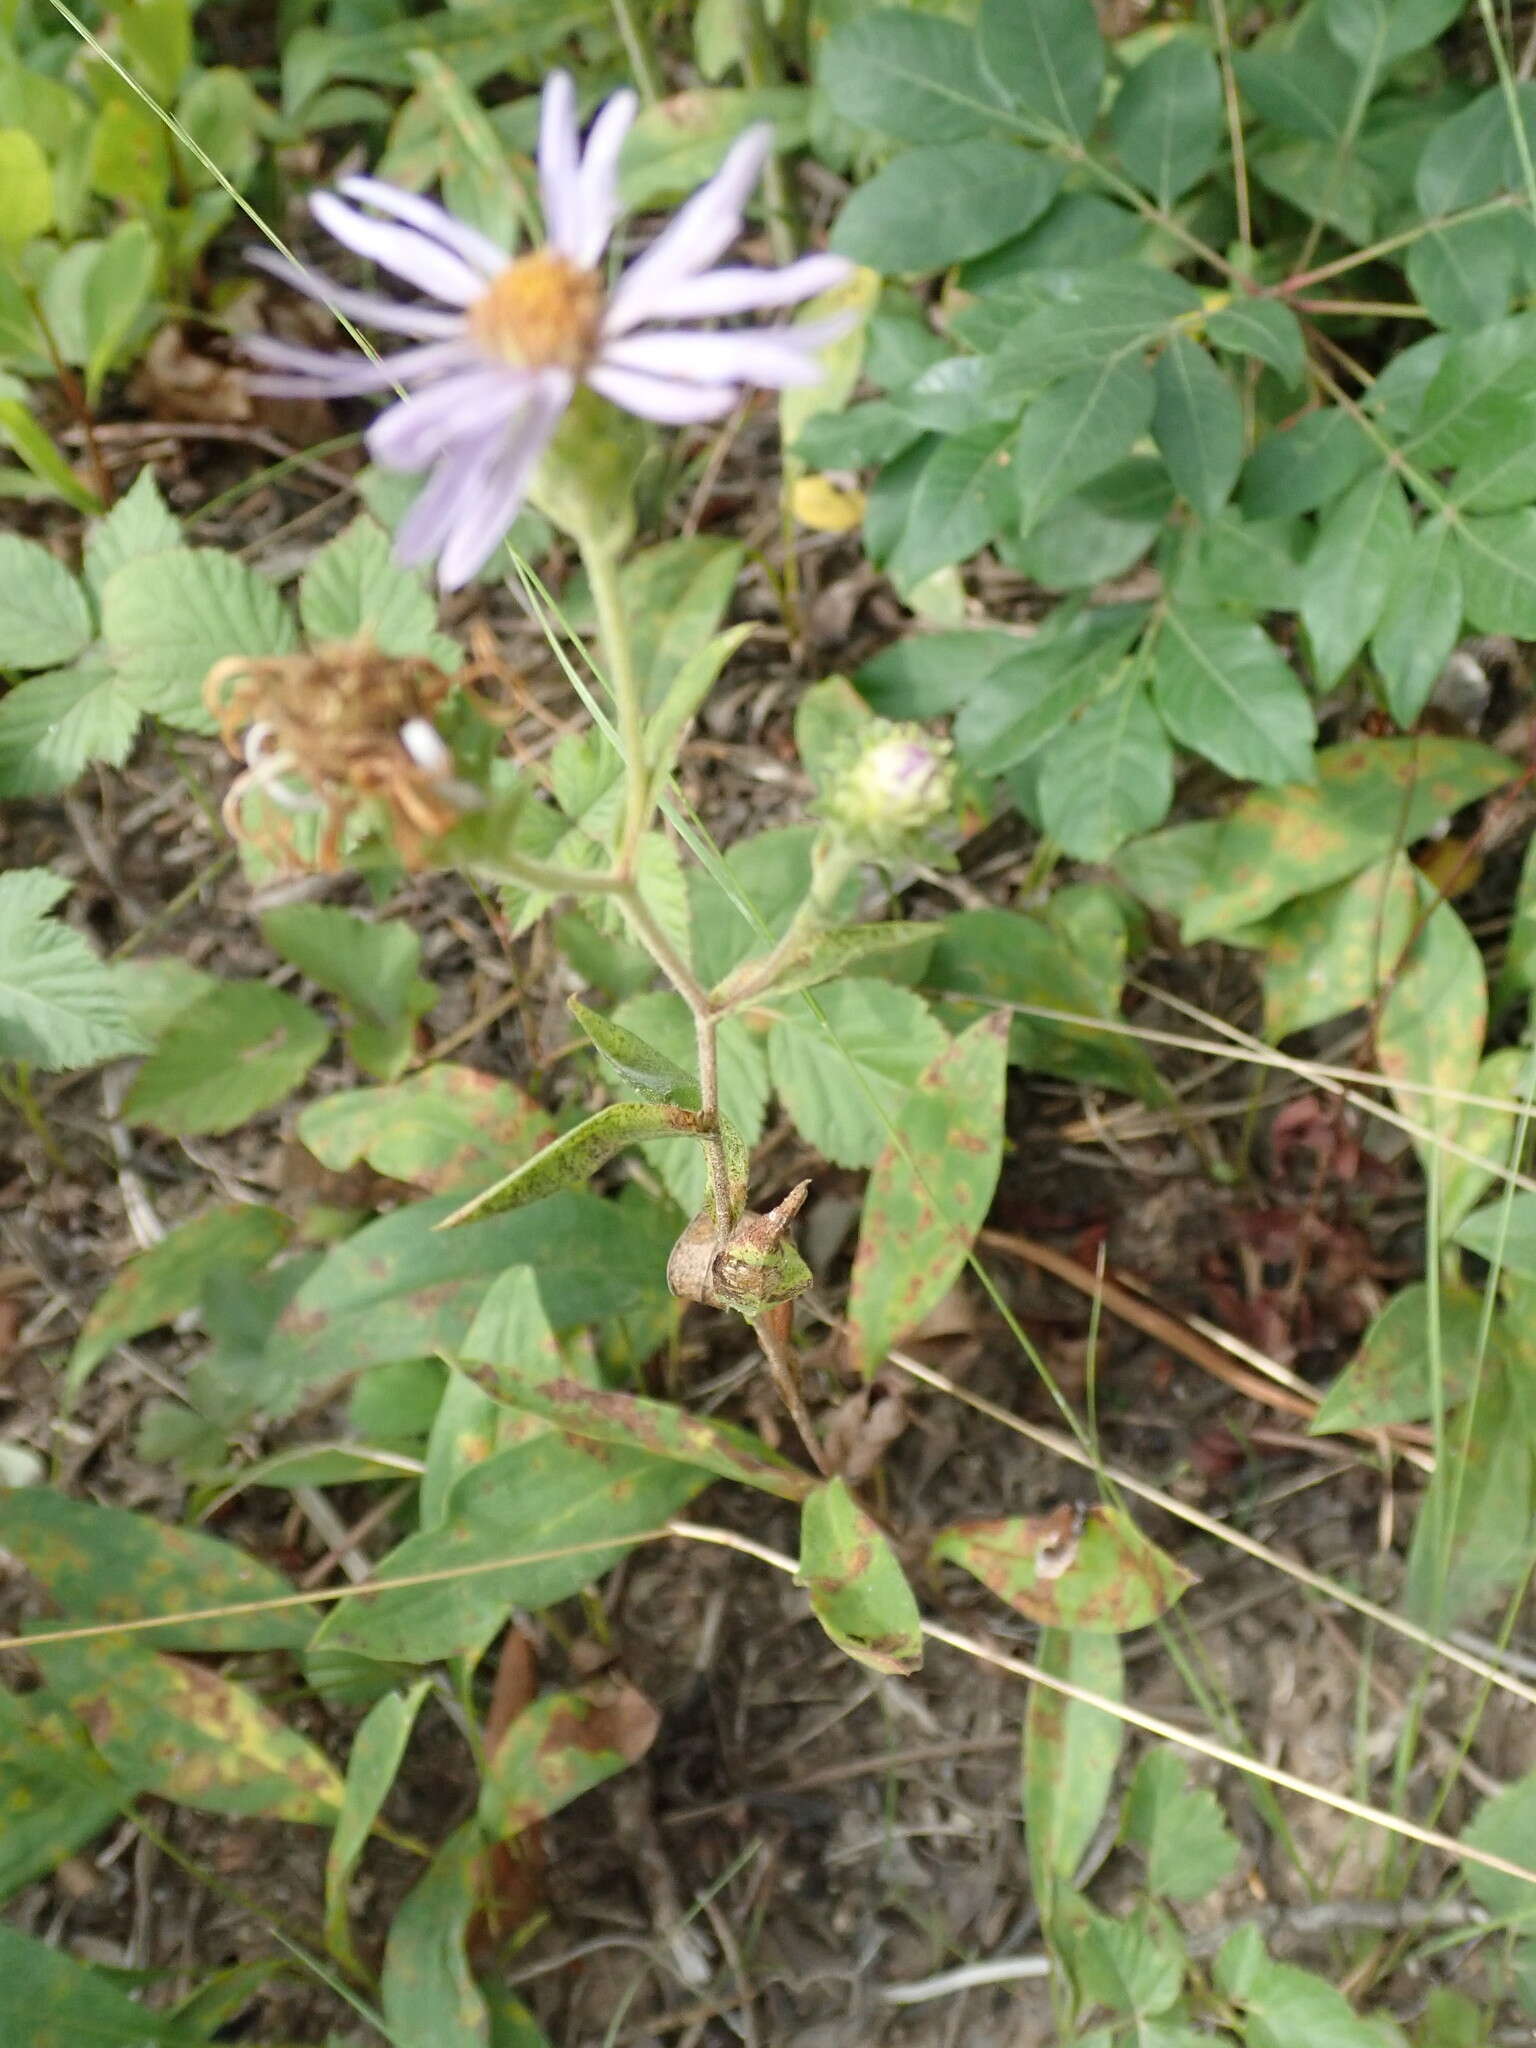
x: 501, y: 342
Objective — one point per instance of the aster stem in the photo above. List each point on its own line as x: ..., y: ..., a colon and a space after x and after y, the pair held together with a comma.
x: 761, y: 69
x: 602, y: 565
x: 637, y: 47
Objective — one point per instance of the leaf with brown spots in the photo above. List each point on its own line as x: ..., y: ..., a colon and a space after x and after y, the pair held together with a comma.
x: 1070, y: 1754
x: 573, y: 1158
x: 507, y: 1522
x: 428, y: 1991
x: 1431, y: 1028
x: 55, y: 1792
x: 160, y: 1283
x: 560, y: 1747
x: 1332, y: 951
x: 1091, y: 1569
x: 611, y: 1417
x: 51, y: 2001
x: 1372, y: 798
x: 859, y: 1592
x: 445, y: 1128
x: 105, y: 1564
x: 930, y: 1190
x: 182, y: 1731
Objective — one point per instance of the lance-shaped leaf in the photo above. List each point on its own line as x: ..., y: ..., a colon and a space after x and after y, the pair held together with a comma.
x: 55, y: 1792
x: 637, y: 1064
x: 859, y: 1592
x: 428, y: 1990
x: 183, y: 1731
x: 607, y: 1416
x: 51, y: 2001
x: 930, y: 1190
x: 816, y: 958
x: 1072, y: 1569
x: 105, y: 1564
x: 377, y: 1749
x: 573, y: 1159
x: 1070, y: 1754
x: 560, y: 1747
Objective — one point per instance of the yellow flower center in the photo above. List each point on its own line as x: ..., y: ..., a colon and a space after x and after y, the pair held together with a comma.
x: 541, y: 313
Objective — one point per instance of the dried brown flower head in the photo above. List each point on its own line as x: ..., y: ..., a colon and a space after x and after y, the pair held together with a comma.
x: 351, y: 725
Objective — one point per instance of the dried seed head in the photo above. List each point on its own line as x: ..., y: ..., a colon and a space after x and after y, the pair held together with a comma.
x: 352, y: 725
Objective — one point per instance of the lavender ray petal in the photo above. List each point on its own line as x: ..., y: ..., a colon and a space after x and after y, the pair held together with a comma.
x: 559, y: 164
x: 597, y: 184
x: 659, y: 398
x: 477, y: 250
x: 422, y: 532
x: 741, y: 289
x: 347, y: 375
x: 421, y: 262
x: 463, y: 407
x: 482, y: 523
x: 395, y: 318
x: 700, y: 232
x: 747, y: 357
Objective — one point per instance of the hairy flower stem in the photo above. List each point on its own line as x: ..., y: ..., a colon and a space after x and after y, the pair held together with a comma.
x: 602, y: 566
x: 637, y: 48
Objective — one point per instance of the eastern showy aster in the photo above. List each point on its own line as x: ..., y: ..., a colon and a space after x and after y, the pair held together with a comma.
x: 499, y: 355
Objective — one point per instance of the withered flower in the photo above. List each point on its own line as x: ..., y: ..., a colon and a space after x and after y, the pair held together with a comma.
x: 341, y: 730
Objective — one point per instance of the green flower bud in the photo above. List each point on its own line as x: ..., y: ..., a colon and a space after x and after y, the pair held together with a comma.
x: 897, y: 786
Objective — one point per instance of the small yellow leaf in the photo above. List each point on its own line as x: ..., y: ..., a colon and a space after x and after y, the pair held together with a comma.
x: 825, y: 506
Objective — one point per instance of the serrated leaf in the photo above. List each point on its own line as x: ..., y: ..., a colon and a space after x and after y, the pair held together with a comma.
x: 561, y: 1746
x: 1335, y: 950
x: 1112, y: 308
x: 44, y: 617
x: 180, y: 1730
x: 168, y: 618
x: 1198, y: 425
x: 930, y: 1190
x: 1371, y: 798
x: 1079, y: 428
x: 1264, y: 329
x: 570, y: 1160
x: 845, y: 1080
x: 59, y: 1004
x: 909, y: 75
x: 857, y: 1588
x: 1046, y: 57
x: 506, y: 1517
x: 439, y: 1129
x: 1420, y: 620
x: 105, y: 1564
x: 1074, y: 1568
x: 354, y: 587
x: 639, y: 1065
x: 940, y: 203
x: 1166, y: 122
x: 1107, y: 776
x: 377, y: 1749
x: 239, y: 1050
x: 1069, y: 1758
x: 1356, y: 558
x: 52, y: 725
x: 1226, y: 691
x: 372, y: 967
x: 1282, y: 2005
x: 961, y: 498
x: 1179, y: 1829
x: 138, y: 524
x: 157, y: 1285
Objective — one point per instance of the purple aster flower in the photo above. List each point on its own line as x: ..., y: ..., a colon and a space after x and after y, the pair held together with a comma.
x: 498, y: 356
